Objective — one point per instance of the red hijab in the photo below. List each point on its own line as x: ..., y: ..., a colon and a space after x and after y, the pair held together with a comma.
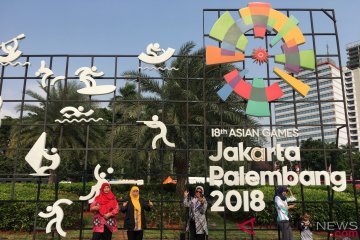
x: 107, y: 201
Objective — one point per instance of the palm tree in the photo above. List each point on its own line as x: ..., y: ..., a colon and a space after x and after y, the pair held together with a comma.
x: 61, y: 136
x: 186, y: 97
x: 127, y: 110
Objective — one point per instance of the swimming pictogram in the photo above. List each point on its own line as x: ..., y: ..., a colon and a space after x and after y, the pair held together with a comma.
x: 71, y: 113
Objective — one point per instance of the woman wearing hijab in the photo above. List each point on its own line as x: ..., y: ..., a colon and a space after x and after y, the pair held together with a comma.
x: 196, y: 224
x: 282, y: 209
x: 133, y: 208
x: 105, y: 208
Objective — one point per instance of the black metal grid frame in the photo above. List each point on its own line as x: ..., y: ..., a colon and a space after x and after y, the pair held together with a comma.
x: 330, y: 13
x: 15, y: 176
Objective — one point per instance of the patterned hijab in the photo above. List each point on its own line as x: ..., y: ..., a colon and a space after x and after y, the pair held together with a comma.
x: 195, y: 200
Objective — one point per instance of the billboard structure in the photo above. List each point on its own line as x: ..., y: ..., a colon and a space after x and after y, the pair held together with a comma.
x: 204, y: 117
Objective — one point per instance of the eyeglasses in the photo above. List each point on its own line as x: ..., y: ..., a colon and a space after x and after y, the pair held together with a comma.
x: 198, y: 191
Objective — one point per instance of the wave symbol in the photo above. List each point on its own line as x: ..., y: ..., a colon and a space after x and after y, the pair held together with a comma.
x: 159, y: 68
x: 14, y: 64
x: 81, y: 120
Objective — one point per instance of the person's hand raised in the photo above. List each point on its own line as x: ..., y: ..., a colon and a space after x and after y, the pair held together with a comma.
x: 186, y: 194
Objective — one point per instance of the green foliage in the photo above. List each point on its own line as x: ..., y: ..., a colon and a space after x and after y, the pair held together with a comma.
x: 119, y: 190
x: 6, y: 163
x: 315, y: 159
x: 166, y: 98
x: 319, y: 211
x: 339, y: 160
x: 71, y: 136
x: 19, y: 215
x: 344, y: 163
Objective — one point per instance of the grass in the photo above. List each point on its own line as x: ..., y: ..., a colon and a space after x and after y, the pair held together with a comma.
x: 155, y: 235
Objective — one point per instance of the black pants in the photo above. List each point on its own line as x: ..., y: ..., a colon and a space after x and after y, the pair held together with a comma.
x: 193, y: 235
x: 106, y: 235
x: 135, y: 235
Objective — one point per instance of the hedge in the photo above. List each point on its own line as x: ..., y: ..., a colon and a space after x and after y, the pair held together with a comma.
x: 319, y: 211
x: 19, y: 215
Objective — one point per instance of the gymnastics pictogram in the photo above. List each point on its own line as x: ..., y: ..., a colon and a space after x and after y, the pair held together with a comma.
x: 260, y: 18
x: 46, y: 73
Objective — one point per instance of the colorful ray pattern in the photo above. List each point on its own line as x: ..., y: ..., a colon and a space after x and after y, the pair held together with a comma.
x: 215, y: 55
x: 293, y: 59
x: 260, y: 18
x: 257, y: 14
x: 257, y: 94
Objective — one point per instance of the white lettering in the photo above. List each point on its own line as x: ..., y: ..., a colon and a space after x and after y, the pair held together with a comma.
x: 216, y: 174
x: 284, y: 177
x: 219, y: 153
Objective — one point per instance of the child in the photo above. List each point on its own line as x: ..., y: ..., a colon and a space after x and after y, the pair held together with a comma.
x: 305, y: 227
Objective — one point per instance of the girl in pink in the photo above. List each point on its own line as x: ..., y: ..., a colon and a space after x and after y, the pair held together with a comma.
x: 105, y: 208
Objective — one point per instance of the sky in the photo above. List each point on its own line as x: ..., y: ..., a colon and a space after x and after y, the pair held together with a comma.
x: 128, y: 26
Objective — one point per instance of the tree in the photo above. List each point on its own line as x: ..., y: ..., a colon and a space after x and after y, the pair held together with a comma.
x: 344, y: 163
x: 315, y: 159
x: 6, y: 163
x: 127, y: 109
x: 41, y: 118
x: 184, y: 97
